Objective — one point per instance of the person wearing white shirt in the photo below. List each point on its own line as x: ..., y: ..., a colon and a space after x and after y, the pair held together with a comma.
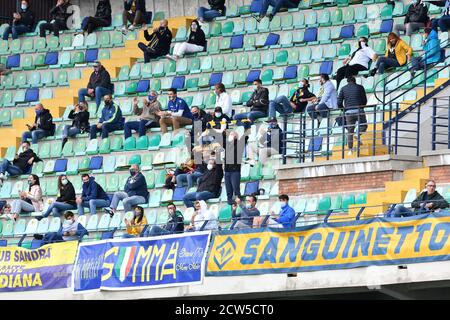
x: 201, y: 215
x: 358, y: 61
x: 223, y: 99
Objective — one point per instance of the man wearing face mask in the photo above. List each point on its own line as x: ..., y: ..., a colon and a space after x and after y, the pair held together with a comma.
x: 135, y: 192
x: 159, y: 42
x: 196, y: 43
x: 42, y: 127
x: 99, y: 85
x: 70, y: 230
x: 209, y: 185
x: 111, y: 119
x: 23, y: 21
x: 416, y: 18
x: 258, y: 102
x: 247, y: 213
x: 175, y: 224
x: 93, y: 196
x: 21, y: 164
x: 178, y: 113
x: 149, y: 116
x: 326, y: 99
x: 358, y: 61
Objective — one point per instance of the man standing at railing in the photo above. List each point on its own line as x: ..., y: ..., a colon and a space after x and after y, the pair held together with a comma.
x: 352, y: 98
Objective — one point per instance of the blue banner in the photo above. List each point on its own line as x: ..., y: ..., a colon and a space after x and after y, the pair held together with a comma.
x: 139, y: 263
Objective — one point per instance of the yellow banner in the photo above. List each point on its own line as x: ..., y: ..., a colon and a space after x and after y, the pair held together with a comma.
x: 332, y: 246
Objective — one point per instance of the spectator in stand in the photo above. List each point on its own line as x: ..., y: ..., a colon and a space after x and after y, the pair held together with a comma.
x: 134, y: 12
x: 326, y: 100
x: 148, y: 116
x: 187, y: 173
x: 354, y: 97
x: 398, y: 53
x: 23, y: 21
x: 234, y: 152
x: 432, y: 52
x: 427, y: 202
x: 135, y: 192
x: 30, y: 201
x: 215, y: 128
x: 223, y: 99
x: 92, y: 197
x: 42, y: 127
x: 276, y: 6
x: 217, y: 9
x: 358, y: 61
x: 444, y: 21
x: 80, y: 122
x: 5, y: 213
x: 258, y: 102
x: 70, y: 230
x: 137, y: 224
x: 284, y: 219
x: 175, y: 224
x: 209, y: 185
x: 60, y: 14
x: 178, y: 113
x: 99, y: 85
x: 296, y: 104
x: 158, y: 42
x: 65, y: 201
x: 201, y: 216
x: 247, y: 213
x: 111, y: 119
x: 416, y: 18
x: 102, y: 17
x: 271, y: 141
x: 22, y: 163
x: 196, y: 43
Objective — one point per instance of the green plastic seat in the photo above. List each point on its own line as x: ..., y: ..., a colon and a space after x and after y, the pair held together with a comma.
x: 250, y: 26
x: 116, y: 144
x: 104, y: 40
x: 287, y: 22
x: 361, y: 13
x: 65, y: 42
x: 129, y: 144
x: 249, y: 43
x: 275, y: 24
x: 324, y: 205
x: 5, y: 117
x: 55, y: 150
x: 286, y: 39
x: 363, y: 31
x: 150, y: 179
x: 228, y: 28
x: 181, y: 34
x: 311, y: 19
x: 104, y: 147
x: 324, y: 18
x: 112, y: 184
x: 230, y: 62
x: 348, y: 15
x: 4, y: 47
x: 84, y: 164
x: 215, y: 29
x: 15, y: 46
x: 347, y: 201
x: 117, y: 39
x: 135, y: 159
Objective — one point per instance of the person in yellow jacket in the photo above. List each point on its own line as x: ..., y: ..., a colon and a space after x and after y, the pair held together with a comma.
x: 398, y: 53
x: 137, y: 224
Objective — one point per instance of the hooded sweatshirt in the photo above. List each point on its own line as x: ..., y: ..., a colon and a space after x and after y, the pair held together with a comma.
x: 92, y: 190
x: 204, y: 215
x: 198, y: 37
x: 432, y: 47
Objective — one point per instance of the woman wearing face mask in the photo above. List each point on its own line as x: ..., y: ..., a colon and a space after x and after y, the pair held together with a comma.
x: 137, y: 224
x: 65, y: 201
x: 200, y: 216
x: 195, y: 43
x: 29, y: 201
x: 23, y: 21
x: 358, y: 61
x: 416, y: 18
x: 149, y: 116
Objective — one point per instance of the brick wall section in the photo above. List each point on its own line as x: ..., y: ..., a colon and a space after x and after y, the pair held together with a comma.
x: 441, y: 174
x: 342, y: 183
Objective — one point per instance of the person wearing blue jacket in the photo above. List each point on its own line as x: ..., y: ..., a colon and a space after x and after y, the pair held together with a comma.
x: 285, y: 217
x: 111, y: 119
x: 432, y: 49
x: 178, y: 113
x: 135, y: 192
x: 92, y: 197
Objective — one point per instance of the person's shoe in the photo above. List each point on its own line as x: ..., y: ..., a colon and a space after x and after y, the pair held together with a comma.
x: 64, y: 141
x: 258, y: 18
x: 38, y: 236
x: 2, y: 177
x: 413, y: 74
x: 371, y: 73
x: 270, y: 16
x: 132, y: 27
x: 168, y: 56
x: 39, y: 218
x: 124, y: 30
x: 350, y: 153
x: 109, y: 211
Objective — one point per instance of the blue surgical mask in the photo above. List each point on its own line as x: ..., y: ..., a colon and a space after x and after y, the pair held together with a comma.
x: 248, y: 206
x: 151, y: 98
x: 23, y: 7
x: 217, y: 114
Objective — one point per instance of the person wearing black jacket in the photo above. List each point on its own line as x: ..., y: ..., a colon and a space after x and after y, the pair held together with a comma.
x: 209, y: 185
x: 297, y: 104
x: 99, y: 85
x: 65, y: 201
x: 427, y: 202
x: 159, y: 42
x: 23, y: 21
x: 416, y: 18
x: 195, y: 43
x: 234, y: 152
x: 102, y: 17
x: 134, y: 12
x: 217, y: 9
x: 354, y: 97
x: 43, y: 125
x: 175, y: 224
x: 60, y: 14
x: 259, y: 104
x: 444, y: 21
x: 80, y: 123
x: 21, y: 164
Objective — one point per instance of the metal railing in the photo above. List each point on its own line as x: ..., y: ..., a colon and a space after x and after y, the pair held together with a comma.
x: 440, y: 127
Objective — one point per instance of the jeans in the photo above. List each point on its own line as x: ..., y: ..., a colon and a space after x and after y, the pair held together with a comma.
x: 409, y: 28
x: 277, y: 5
x: 139, y: 126
x: 347, y: 71
x: 190, y: 197
x: 384, y: 62
x: 401, y: 211
x: 351, y: 119
x: 15, y: 31
x: 156, y: 231
x: 105, y: 129
x: 128, y: 236
x: 443, y: 23
x: 7, y: 166
x: 252, y: 116
x: 206, y: 14
x: 20, y: 205
x: 319, y: 109
x: 56, y: 208
x: 92, y: 204
x: 128, y: 202
x: 232, y: 185
x: 190, y: 179
x: 70, y: 131
x: 99, y: 93
x: 34, y: 135
x: 417, y: 64
x: 280, y: 104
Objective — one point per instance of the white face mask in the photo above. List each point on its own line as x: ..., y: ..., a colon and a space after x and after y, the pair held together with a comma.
x: 217, y: 114
x: 255, y: 88
x: 24, y: 7
x: 69, y: 222
x: 64, y: 182
x: 300, y: 85
x: 210, y: 167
